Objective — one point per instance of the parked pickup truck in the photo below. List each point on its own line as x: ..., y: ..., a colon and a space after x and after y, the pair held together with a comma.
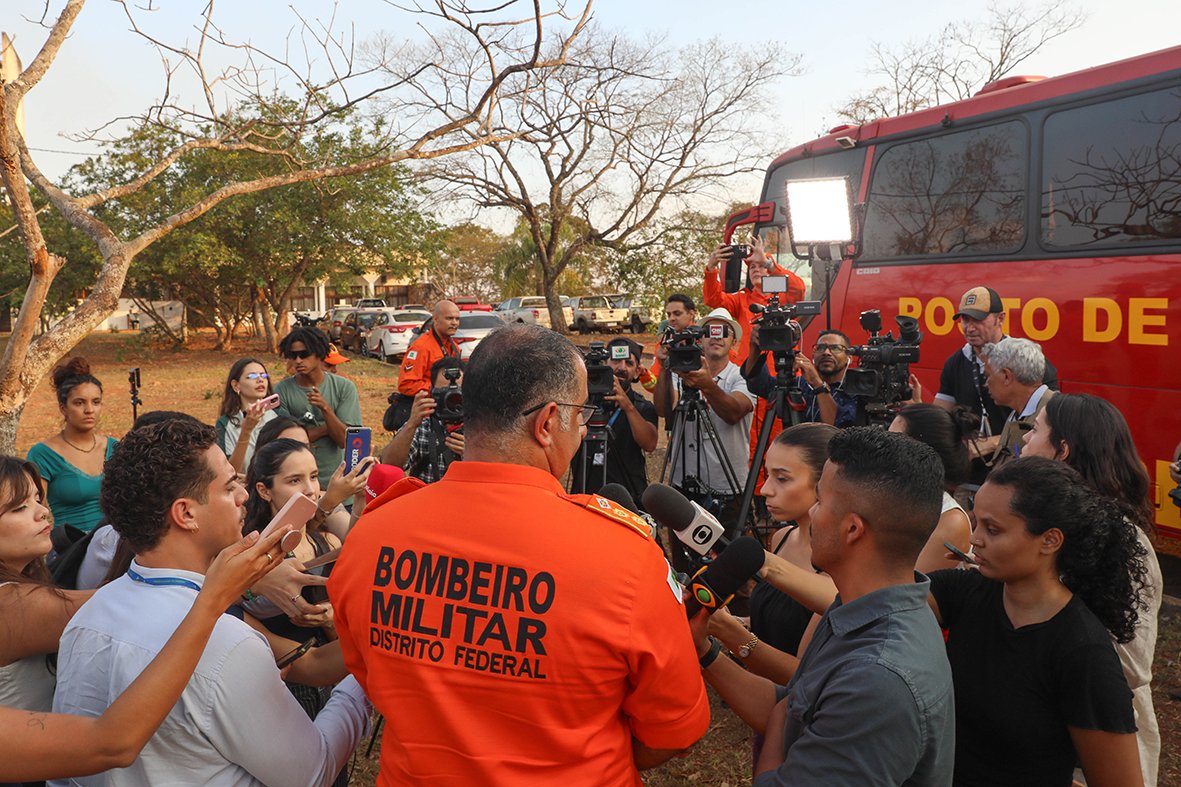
x: 595, y: 313
x: 530, y: 309
x: 639, y: 319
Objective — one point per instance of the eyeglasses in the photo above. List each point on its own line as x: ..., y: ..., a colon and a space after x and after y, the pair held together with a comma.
x: 257, y: 376
x: 832, y: 348
x: 291, y: 355
x: 584, y: 417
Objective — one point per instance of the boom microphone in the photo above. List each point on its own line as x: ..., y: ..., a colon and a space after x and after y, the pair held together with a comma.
x: 695, y: 526
x: 714, y: 585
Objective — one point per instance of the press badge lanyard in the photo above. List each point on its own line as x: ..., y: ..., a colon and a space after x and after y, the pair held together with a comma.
x: 163, y: 581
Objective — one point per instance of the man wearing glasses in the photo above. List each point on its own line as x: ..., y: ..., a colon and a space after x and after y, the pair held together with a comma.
x: 509, y: 632
x: 326, y: 404
x: 821, y: 379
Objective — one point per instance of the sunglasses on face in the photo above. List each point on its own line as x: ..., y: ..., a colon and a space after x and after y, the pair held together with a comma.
x: 832, y: 348
x: 257, y: 376
x: 294, y: 354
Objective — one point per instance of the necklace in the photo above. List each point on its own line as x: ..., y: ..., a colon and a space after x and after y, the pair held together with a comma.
x: 93, y: 445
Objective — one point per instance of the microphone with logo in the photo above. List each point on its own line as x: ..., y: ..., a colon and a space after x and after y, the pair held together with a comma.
x: 694, y: 526
x: 714, y: 585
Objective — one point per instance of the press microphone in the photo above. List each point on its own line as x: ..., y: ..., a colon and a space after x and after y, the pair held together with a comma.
x: 714, y: 585
x: 694, y: 526
x: 617, y: 493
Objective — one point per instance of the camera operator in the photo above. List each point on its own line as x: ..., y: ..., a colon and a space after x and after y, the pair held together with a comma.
x: 729, y: 402
x: 759, y: 264
x: 414, y: 375
x: 821, y: 378
x: 631, y: 428
x: 1013, y: 373
x: 427, y: 444
x: 680, y: 312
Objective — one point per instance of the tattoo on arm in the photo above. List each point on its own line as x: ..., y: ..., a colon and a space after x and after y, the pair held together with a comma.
x: 36, y: 721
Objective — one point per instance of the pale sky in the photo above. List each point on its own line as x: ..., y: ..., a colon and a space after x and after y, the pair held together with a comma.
x: 104, y: 72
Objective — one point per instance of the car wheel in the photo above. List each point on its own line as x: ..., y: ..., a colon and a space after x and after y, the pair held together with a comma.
x: 637, y: 324
x: 583, y: 328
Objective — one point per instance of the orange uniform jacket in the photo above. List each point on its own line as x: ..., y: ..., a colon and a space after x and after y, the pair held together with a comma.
x: 513, y: 634
x: 420, y: 356
x: 738, y: 303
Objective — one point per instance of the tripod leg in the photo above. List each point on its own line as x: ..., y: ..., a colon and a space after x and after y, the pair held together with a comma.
x: 748, y: 493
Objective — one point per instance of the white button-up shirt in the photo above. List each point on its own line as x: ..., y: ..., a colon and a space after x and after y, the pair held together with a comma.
x: 235, y: 723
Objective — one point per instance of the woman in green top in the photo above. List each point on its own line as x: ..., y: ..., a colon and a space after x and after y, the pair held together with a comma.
x: 71, y: 461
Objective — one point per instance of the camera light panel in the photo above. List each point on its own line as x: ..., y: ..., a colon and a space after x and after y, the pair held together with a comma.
x: 819, y: 211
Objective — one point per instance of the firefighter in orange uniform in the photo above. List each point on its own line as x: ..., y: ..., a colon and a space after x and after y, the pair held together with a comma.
x: 513, y: 634
x: 415, y: 375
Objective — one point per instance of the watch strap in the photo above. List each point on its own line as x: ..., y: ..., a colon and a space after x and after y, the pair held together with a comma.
x: 711, y: 655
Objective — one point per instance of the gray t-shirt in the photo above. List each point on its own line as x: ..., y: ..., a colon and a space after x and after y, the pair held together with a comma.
x: 872, y: 700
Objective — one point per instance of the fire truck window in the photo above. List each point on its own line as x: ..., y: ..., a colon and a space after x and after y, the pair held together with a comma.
x: 957, y: 193
x: 1112, y: 173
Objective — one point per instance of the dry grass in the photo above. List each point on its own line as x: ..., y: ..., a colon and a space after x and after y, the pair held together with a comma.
x: 192, y: 380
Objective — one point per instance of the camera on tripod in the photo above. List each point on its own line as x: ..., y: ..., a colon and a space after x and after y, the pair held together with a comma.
x: 684, y: 353
x: 882, y: 378
x: 449, y: 399
x: 779, y: 331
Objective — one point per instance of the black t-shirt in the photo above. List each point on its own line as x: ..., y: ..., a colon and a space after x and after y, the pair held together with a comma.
x: 1017, y: 691
x: 625, y: 458
x: 961, y: 378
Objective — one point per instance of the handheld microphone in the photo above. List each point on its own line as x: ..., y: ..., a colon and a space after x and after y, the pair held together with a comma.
x: 617, y: 493
x: 694, y: 526
x: 714, y: 585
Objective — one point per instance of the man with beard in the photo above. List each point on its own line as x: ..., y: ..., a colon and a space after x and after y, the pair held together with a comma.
x: 631, y: 429
x: 821, y: 379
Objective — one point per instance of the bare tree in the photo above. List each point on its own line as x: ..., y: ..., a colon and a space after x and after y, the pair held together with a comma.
x: 621, y: 131
x: 509, y: 41
x: 962, y: 58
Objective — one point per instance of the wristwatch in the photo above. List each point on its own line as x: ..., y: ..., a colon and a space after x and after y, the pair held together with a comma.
x: 745, y: 651
x: 711, y: 655
x: 823, y: 388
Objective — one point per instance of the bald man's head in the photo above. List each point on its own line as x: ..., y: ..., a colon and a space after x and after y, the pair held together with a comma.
x: 446, y: 316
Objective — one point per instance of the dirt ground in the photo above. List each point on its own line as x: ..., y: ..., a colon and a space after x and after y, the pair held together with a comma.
x: 192, y: 380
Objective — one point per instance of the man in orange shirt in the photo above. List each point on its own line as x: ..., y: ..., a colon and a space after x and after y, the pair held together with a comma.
x: 432, y: 345
x: 511, y: 633
x: 759, y: 264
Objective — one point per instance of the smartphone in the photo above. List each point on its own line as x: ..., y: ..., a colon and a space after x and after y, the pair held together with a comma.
x: 958, y: 553
x: 357, y: 440
x: 295, y: 512
x: 271, y: 402
x: 292, y: 655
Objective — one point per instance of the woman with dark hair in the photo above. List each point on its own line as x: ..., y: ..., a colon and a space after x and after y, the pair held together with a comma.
x: 242, y: 411
x: 71, y: 461
x: 794, y: 462
x: 1092, y: 436
x: 281, y: 469
x: 1038, y: 685
x: 281, y: 426
x: 946, y: 432
x: 32, y: 612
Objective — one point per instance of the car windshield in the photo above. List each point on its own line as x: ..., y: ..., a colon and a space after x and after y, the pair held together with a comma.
x: 410, y: 316
x: 366, y: 319
x: 598, y: 302
x: 480, y: 321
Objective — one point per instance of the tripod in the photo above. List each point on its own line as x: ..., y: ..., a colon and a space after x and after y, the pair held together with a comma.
x: 786, y: 392
x: 691, y: 409
x: 595, y: 446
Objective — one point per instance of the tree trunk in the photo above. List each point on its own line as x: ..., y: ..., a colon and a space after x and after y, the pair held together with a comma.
x: 557, y: 317
x: 10, y: 416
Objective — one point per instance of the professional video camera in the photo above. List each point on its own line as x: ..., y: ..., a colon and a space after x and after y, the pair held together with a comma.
x: 600, y: 380
x: 779, y: 332
x: 684, y: 353
x: 881, y: 380
x: 449, y: 399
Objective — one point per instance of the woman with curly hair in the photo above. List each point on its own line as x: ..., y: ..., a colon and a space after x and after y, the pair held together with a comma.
x: 1092, y: 436
x: 71, y: 461
x: 1038, y: 685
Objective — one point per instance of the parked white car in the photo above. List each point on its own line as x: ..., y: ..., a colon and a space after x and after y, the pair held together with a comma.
x: 393, y: 331
x: 473, y: 327
x: 595, y: 313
